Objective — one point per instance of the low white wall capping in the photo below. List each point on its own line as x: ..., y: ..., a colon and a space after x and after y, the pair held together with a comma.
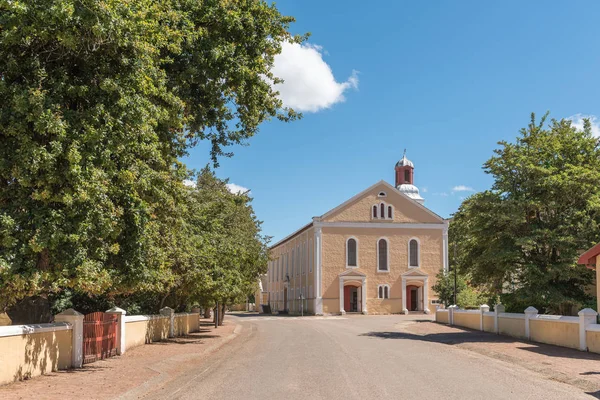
x: 586, y: 320
x: 18, y: 330
x: 137, y: 318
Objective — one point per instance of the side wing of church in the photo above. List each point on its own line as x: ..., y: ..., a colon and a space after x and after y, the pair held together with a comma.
x: 377, y: 253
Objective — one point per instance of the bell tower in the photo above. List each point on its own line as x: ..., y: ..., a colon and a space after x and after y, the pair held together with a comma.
x: 405, y: 179
x: 404, y: 171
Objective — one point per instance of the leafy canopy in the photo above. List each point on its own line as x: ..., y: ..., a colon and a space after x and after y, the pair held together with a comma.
x: 521, y: 239
x: 100, y: 100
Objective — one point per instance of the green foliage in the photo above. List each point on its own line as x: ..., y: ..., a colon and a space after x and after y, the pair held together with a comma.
x: 100, y: 100
x: 521, y: 239
x: 469, y: 298
x: 444, y: 286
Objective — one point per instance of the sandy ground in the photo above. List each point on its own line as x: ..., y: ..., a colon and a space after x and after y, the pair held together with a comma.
x: 139, y: 371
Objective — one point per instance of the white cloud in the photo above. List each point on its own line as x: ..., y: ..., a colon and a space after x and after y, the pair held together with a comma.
x: 462, y: 188
x: 232, y: 187
x: 424, y: 189
x: 237, y: 189
x: 309, y: 82
x: 577, y: 122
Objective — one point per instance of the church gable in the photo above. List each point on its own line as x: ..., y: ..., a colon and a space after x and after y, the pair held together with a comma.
x: 396, y: 207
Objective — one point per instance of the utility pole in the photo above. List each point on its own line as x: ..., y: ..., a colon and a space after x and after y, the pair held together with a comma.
x: 455, y: 273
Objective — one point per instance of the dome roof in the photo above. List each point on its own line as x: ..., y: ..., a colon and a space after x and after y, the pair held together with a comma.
x: 411, y: 191
x: 405, y: 162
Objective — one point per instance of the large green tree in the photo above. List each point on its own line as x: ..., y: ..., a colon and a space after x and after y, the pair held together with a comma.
x: 521, y: 239
x: 99, y: 101
x: 227, y: 250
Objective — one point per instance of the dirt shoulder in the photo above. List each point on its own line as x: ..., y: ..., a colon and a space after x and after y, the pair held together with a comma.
x: 132, y: 375
x: 577, y: 368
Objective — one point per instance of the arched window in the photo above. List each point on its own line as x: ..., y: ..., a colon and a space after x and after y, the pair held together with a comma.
x: 292, y: 266
x: 382, y: 208
x: 383, y: 292
x: 382, y: 194
x: 413, y: 253
x: 374, y: 211
x: 406, y: 176
x: 351, y: 253
x: 390, y: 215
x: 382, y: 255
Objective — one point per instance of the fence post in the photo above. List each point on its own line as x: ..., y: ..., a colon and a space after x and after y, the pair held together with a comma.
x: 451, y: 314
x: 120, y: 313
x: 76, y: 320
x: 587, y: 316
x: 498, y: 309
x: 483, y: 309
x: 530, y: 312
x: 169, y: 312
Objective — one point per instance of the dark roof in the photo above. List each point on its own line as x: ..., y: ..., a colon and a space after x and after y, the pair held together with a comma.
x: 589, y: 257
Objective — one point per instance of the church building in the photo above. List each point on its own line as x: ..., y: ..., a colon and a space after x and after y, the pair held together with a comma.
x: 376, y: 253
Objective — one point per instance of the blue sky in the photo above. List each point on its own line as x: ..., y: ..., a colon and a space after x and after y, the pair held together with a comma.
x: 445, y: 80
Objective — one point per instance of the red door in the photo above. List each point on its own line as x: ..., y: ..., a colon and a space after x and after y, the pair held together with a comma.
x: 347, y: 298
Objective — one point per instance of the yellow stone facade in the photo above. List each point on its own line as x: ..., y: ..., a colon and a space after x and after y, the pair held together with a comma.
x: 312, y: 262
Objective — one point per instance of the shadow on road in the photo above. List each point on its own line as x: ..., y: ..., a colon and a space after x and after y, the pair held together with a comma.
x: 471, y: 336
x: 257, y: 315
x: 594, y: 394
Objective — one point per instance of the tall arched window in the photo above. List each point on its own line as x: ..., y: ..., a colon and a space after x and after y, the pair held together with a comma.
x: 382, y: 255
x: 351, y: 253
x: 413, y: 253
x: 374, y: 211
x: 390, y: 215
x: 292, y: 266
x: 382, y: 209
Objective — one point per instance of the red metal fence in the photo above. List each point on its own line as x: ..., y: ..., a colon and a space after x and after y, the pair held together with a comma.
x: 99, y: 336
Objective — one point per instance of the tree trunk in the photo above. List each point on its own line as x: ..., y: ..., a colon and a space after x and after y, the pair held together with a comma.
x: 207, y: 312
x: 221, y: 314
x: 162, y: 301
x: 43, y: 261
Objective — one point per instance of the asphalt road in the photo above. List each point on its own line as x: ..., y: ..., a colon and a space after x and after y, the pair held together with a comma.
x: 356, y: 357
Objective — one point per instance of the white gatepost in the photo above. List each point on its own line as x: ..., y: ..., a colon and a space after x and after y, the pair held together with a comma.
x: 530, y: 312
x: 587, y: 316
x: 483, y: 309
x: 76, y: 320
x: 120, y: 313
x: 425, y: 296
x: 404, y: 309
x: 451, y: 310
x: 498, y: 309
x: 169, y: 312
x: 342, y: 311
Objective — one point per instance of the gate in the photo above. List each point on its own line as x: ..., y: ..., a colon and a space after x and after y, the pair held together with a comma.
x: 99, y: 336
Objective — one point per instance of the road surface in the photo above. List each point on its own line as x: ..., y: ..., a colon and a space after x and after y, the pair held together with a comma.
x: 352, y: 357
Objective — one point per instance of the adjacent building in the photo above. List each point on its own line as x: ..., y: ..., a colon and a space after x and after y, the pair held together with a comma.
x: 591, y: 259
x: 376, y: 253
